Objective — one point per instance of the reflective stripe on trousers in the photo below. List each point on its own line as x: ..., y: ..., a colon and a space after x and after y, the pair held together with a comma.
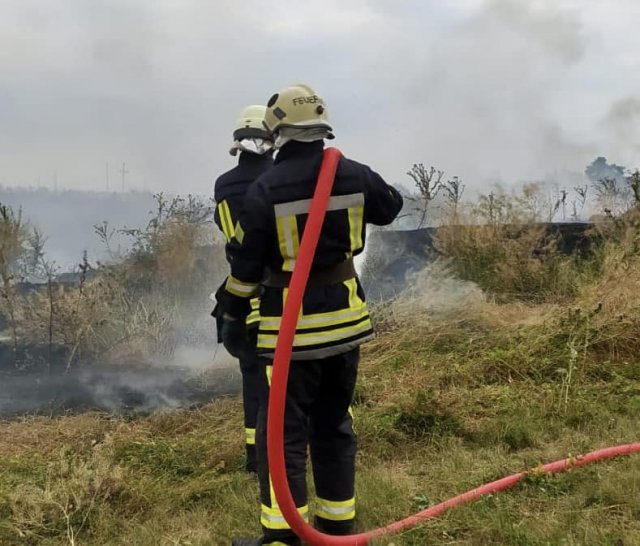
x: 336, y: 510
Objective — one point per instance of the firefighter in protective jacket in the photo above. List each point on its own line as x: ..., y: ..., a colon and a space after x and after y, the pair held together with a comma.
x: 334, y: 320
x: 254, y: 145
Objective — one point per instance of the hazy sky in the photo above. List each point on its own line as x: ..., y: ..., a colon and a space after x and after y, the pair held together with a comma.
x: 510, y: 89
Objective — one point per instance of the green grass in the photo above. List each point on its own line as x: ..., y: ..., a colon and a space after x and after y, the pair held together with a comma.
x: 439, y: 410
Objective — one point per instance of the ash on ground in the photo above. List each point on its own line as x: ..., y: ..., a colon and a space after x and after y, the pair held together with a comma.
x: 193, y: 376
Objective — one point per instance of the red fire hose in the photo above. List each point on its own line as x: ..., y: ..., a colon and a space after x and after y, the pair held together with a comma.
x: 275, y: 427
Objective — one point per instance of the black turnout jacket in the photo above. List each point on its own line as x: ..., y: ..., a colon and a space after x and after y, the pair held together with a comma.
x: 334, y: 317
x: 229, y: 192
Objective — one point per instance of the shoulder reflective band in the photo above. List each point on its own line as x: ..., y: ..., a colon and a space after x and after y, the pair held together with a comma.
x: 226, y: 220
x: 336, y: 202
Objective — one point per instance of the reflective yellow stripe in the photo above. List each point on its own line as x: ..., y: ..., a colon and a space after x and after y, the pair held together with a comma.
x: 239, y: 233
x: 250, y: 434
x: 268, y: 341
x: 355, y: 227
x: 288, y: 241
x: 319, y: 320
x: 225, y: 219
x: 355, y: 301
x: 272, y: 518
x: 254, y: 316
x: 240, y: 288
x: 269, y: 372
x: 336, y: 510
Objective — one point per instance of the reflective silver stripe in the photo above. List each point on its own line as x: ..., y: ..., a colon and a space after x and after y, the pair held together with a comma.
x: 332, y: 318
x: 273, y: 519
x: 301, y: 339
x: 337, y: 511
x: 240, y: 288
x: 325, y: 352
x: 337, y: 202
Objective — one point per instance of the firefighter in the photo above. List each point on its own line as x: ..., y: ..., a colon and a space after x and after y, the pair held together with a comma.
x: 334, y: 320
x: 254, y: 146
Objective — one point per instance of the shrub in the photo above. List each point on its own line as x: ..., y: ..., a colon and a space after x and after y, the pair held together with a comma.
x: 140, y: 304
x: 501, y: 245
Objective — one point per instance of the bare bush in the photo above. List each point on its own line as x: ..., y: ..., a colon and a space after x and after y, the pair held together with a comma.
x: 20, y: 252
x: 143, y: 304
x: 429, y: 184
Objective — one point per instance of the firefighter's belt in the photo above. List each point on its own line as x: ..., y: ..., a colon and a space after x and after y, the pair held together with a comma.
x: 328, y: 275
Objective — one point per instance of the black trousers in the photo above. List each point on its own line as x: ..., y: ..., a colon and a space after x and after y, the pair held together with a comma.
x: 318, y: 418
x: 250, y: 369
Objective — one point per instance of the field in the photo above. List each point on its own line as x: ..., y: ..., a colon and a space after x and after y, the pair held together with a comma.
x: 464, y: 384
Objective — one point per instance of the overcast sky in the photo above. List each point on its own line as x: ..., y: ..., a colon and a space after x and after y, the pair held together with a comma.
x: 502, y: 89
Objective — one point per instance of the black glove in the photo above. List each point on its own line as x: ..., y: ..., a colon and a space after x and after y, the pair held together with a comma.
x: 236, y: 338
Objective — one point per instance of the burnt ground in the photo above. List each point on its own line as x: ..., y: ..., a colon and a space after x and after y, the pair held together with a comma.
x: 122, y: 387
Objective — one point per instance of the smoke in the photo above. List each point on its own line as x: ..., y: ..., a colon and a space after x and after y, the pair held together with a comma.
x: 622, y: 124
x: 401, y: 275
x: 505, y: 89
x: 128, y: 381
x: 142, y: 385
x: 484, y: 94
x: 436, y: 293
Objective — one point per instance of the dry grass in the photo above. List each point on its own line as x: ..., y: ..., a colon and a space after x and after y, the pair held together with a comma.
x: 615, y: 321
x: 142, y: 303
x: 448, y: 402
x: 458, y: 389
x: 519, y: 261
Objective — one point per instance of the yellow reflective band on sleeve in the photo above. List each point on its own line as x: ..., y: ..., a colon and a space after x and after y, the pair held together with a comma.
x: 254, y: 316
x: 268, y: 341
x: 356, y: 215
x: 250, y: 433
x: 336, y: 510
x: 240, y: 288
x: 225, y: 219
x: 272, y: 518
x: 239, y: 233
x: 288, y: 241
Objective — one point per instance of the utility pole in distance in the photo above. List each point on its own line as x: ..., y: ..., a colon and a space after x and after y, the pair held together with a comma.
x: 107, y: 175
x: 123, y: 172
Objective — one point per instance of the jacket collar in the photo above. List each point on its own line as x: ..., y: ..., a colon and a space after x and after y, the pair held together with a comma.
x: 293, y: 149
x: 247, y: 158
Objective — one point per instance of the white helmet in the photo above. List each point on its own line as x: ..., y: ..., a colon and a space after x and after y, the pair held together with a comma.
x: 297, y: 106
x: 250, y: 123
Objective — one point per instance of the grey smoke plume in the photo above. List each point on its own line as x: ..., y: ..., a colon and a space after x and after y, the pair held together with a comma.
x: 622, y: 122
x: 498, y: 88
x: 483, y: 94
